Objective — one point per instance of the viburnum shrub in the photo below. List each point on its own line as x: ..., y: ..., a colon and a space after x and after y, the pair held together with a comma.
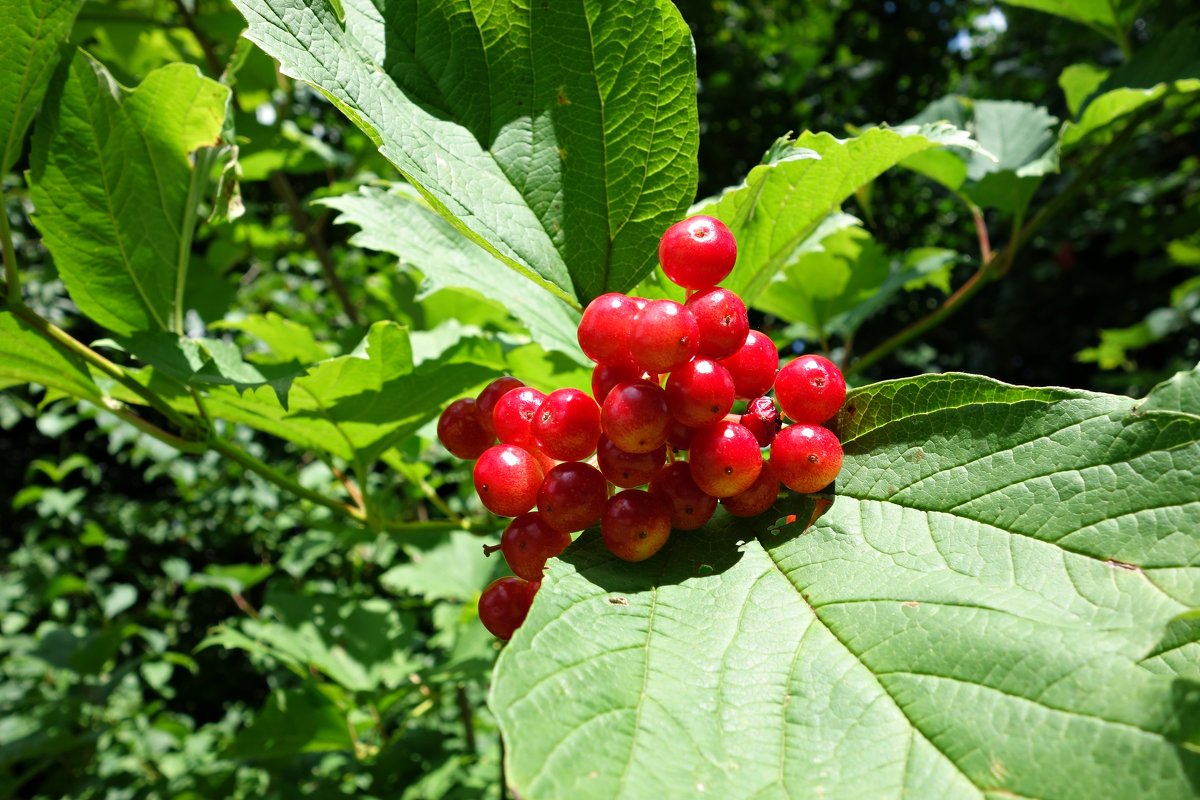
x: 640, y: 347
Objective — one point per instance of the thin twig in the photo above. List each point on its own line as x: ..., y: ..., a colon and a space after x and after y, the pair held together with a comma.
x: 206, y: 45
x: 467, y: 715
x: 12, y: 275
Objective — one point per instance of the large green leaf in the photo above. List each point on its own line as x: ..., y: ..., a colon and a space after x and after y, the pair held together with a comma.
x: 397, y: 222
x: 968, y: 619
x: 34, y: 32
x: 293, y: 721
x: 562, y: 137
x: 1108, y: 17
x: 1168, y: 65
x: 111, y: 178
x: 27, y: 357
x: 800, y: 182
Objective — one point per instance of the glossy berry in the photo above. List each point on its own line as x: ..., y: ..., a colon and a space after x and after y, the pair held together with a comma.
x: 462, y: 432
x: 724, y: 459
x: 606, y: 376
x: 810, y: 389
x: 722, y: 320
x: 664, y: 336
x: 697, y: 252
x: 512, y: 418
x: 528, y: 543
x: 700, y: 392
x: 486, y: 401
x: 690, y: 506
x: 635, y: 417
x: 762, y: 419
x: 635, y: 524
x: 807, y: 457
x: 627, y: 470
x: 753, y: 366
x: 504, y: 605
x: 567, y: 425
x: 756, y: 500
x: 604, y: 329
x: 507, y: 479
x: 572, y: 496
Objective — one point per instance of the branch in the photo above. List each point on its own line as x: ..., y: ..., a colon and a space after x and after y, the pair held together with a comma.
x: 12, y: 276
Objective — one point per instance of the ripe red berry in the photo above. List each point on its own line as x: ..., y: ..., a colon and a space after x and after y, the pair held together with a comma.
x: 756, y: 500
x: 504, y: 605
x: 664, y: 336
x: 700, y: 392
x: 690, y: 506
x: 635, y: 417
x: 528, y: 543
x: 635, y: 524
x: 507, y: 479
x: 485, y: 403
x: 753, y: 366
x: 606, y: 376
x: 512, y: 418
x: 604, y: 329
x: 567, y: 425
x: 697, y: 252
x: 810, y: 389
x: 807, y: 457
x: 572, y: 496
x: 762, y: 419
x: 724, y: 459
x: 461, y: 431
x: 625, y: 469
x: 722, y: 319
x: 679, y: 436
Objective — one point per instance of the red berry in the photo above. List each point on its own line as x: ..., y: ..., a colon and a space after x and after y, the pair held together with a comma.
x: 628, y: 469
x: 762, y: 419
x: 756, y: 500
x: 507, y: 479
x: 724, y: 459
x: 690, y: 506
x: 486, y: 401
x: 697, y: 252
x: 753, y: 366
x: 504, y: 605
x: 722, y: 319
x: 664, y: 336
x: 700, y: 392
x: 572, y: 496
x: 462, y: 432
x: 635, y: 524
x: 635, y: 417
x: 528, y: 543
x: 807, y: 457
x: 604, y: 329
x: 512, y: 418
x: 567, y: 425
x: 810, y: 389
x: 606, y: 376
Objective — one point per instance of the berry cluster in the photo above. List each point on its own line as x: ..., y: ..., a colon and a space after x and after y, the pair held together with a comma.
x: 666, y: 379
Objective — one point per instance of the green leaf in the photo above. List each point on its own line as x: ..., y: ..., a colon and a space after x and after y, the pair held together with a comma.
x: 287, y: 340
x: 1180, y: 393
x: 397, y: 222
x: 1079, y: 82
x: 1168, y: 65
x: 450, y: 567
x: 34, y: 32
x: 800, y: 183
x: 1019, y: 147
x: 27, y: 357
x: 110, y: 179
x: 1108, y: 17
x: 294, y: 721
x: 561, y: 137
x: 973, y: 607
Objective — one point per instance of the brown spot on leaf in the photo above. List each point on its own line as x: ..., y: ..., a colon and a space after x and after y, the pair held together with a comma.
x: 618, y: 601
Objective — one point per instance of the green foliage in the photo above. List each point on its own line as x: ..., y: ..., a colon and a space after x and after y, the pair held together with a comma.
x: 996, y: 565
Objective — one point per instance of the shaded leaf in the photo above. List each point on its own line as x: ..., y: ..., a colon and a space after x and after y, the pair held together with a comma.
x: 560, y: 137
x: 452, y: 567
x: 27, y: 357
x: 302, y: 720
